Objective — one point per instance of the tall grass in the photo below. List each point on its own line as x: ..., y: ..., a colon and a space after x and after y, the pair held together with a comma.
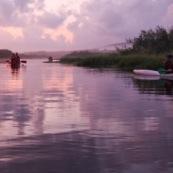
x: 125, y: 62
x: 139, y: 62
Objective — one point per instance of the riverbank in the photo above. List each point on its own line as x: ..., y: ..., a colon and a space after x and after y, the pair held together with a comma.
x: 112, y: 60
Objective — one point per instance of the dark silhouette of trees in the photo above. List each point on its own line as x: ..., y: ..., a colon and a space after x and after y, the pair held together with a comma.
x: 5, y: 53
x: 153, y: 41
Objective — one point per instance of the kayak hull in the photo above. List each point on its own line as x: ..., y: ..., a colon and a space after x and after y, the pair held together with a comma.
x: 146, y: 72
x: 15, y: 65
x: 167, y: 76
x: 152, y: 73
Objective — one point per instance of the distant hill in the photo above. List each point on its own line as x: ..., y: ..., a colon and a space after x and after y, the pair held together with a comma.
x: 44, y: 54
x: 5, y: 53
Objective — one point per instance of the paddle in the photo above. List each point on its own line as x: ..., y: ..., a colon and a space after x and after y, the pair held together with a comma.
x: 23, y: 61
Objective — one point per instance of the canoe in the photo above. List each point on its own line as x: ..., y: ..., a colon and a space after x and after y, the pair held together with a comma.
x: 145, y: 72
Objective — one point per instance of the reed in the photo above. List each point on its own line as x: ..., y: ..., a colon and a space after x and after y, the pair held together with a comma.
x: 111, y: 60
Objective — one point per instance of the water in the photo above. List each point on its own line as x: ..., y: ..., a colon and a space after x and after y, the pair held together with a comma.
x: 63, y: 119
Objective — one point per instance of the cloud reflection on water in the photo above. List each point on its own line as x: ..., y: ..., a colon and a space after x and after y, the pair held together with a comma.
x: 81, y: 120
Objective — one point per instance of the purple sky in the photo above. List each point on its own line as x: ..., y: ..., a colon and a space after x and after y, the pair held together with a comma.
x: 31, y: 25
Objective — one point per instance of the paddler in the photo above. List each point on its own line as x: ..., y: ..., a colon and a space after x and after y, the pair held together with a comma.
x: 15, y: 61
x: 17, y: 58
x: 168, y: 64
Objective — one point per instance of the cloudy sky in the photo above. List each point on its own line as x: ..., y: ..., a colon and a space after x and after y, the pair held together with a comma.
x: 31, y: 25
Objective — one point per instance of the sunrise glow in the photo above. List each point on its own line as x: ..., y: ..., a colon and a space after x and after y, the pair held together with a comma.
x: 15, y: 32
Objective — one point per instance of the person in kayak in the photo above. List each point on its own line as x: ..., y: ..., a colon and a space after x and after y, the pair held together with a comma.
x: 15, y: 61
x: 50, y: 59
x: 17, y: 58
x: 168, y: 64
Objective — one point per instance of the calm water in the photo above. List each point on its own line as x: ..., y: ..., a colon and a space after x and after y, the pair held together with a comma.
x: 63, y: 119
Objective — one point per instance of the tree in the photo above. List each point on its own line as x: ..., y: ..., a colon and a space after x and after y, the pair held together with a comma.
x: 5, y: 53
x: 158, y: 41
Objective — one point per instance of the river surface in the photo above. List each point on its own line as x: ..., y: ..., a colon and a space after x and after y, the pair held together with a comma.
x: 63, y: 119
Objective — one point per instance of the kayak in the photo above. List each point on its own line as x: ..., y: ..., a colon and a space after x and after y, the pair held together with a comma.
x: 15, y: 65
x: 145, y: 72
x: 56, y: 61
x: 167, y: 76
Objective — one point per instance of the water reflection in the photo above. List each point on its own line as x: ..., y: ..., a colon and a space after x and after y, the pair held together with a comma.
x: 56, y: 118
x: 153, y: 84
x: 168, y: 85
x: 78, y: 152
x: 15, y: 73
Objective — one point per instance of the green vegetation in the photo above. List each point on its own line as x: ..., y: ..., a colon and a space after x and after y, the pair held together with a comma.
x: 147, y: 52
x: 4, y: 53
x: 153, y: 41
x: 125, y: 62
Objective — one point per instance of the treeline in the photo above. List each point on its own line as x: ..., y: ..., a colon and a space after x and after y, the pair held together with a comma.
x: 5, y: 53
x: 158, y: 40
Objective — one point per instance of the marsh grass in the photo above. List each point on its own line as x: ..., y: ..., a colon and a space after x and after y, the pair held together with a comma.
x: 111, y: 60
x: 139, y: 62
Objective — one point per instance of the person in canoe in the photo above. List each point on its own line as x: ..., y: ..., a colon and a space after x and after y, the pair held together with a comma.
x: 17, y: 58
x: 50, y: 59
x: 168, y: 64
x: 15, y: 61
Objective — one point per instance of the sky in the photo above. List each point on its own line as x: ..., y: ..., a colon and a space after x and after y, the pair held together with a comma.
x: 52, y: 25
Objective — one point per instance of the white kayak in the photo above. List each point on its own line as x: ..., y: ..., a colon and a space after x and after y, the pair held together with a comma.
x: 167, y: 76
x: 145, y: 72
